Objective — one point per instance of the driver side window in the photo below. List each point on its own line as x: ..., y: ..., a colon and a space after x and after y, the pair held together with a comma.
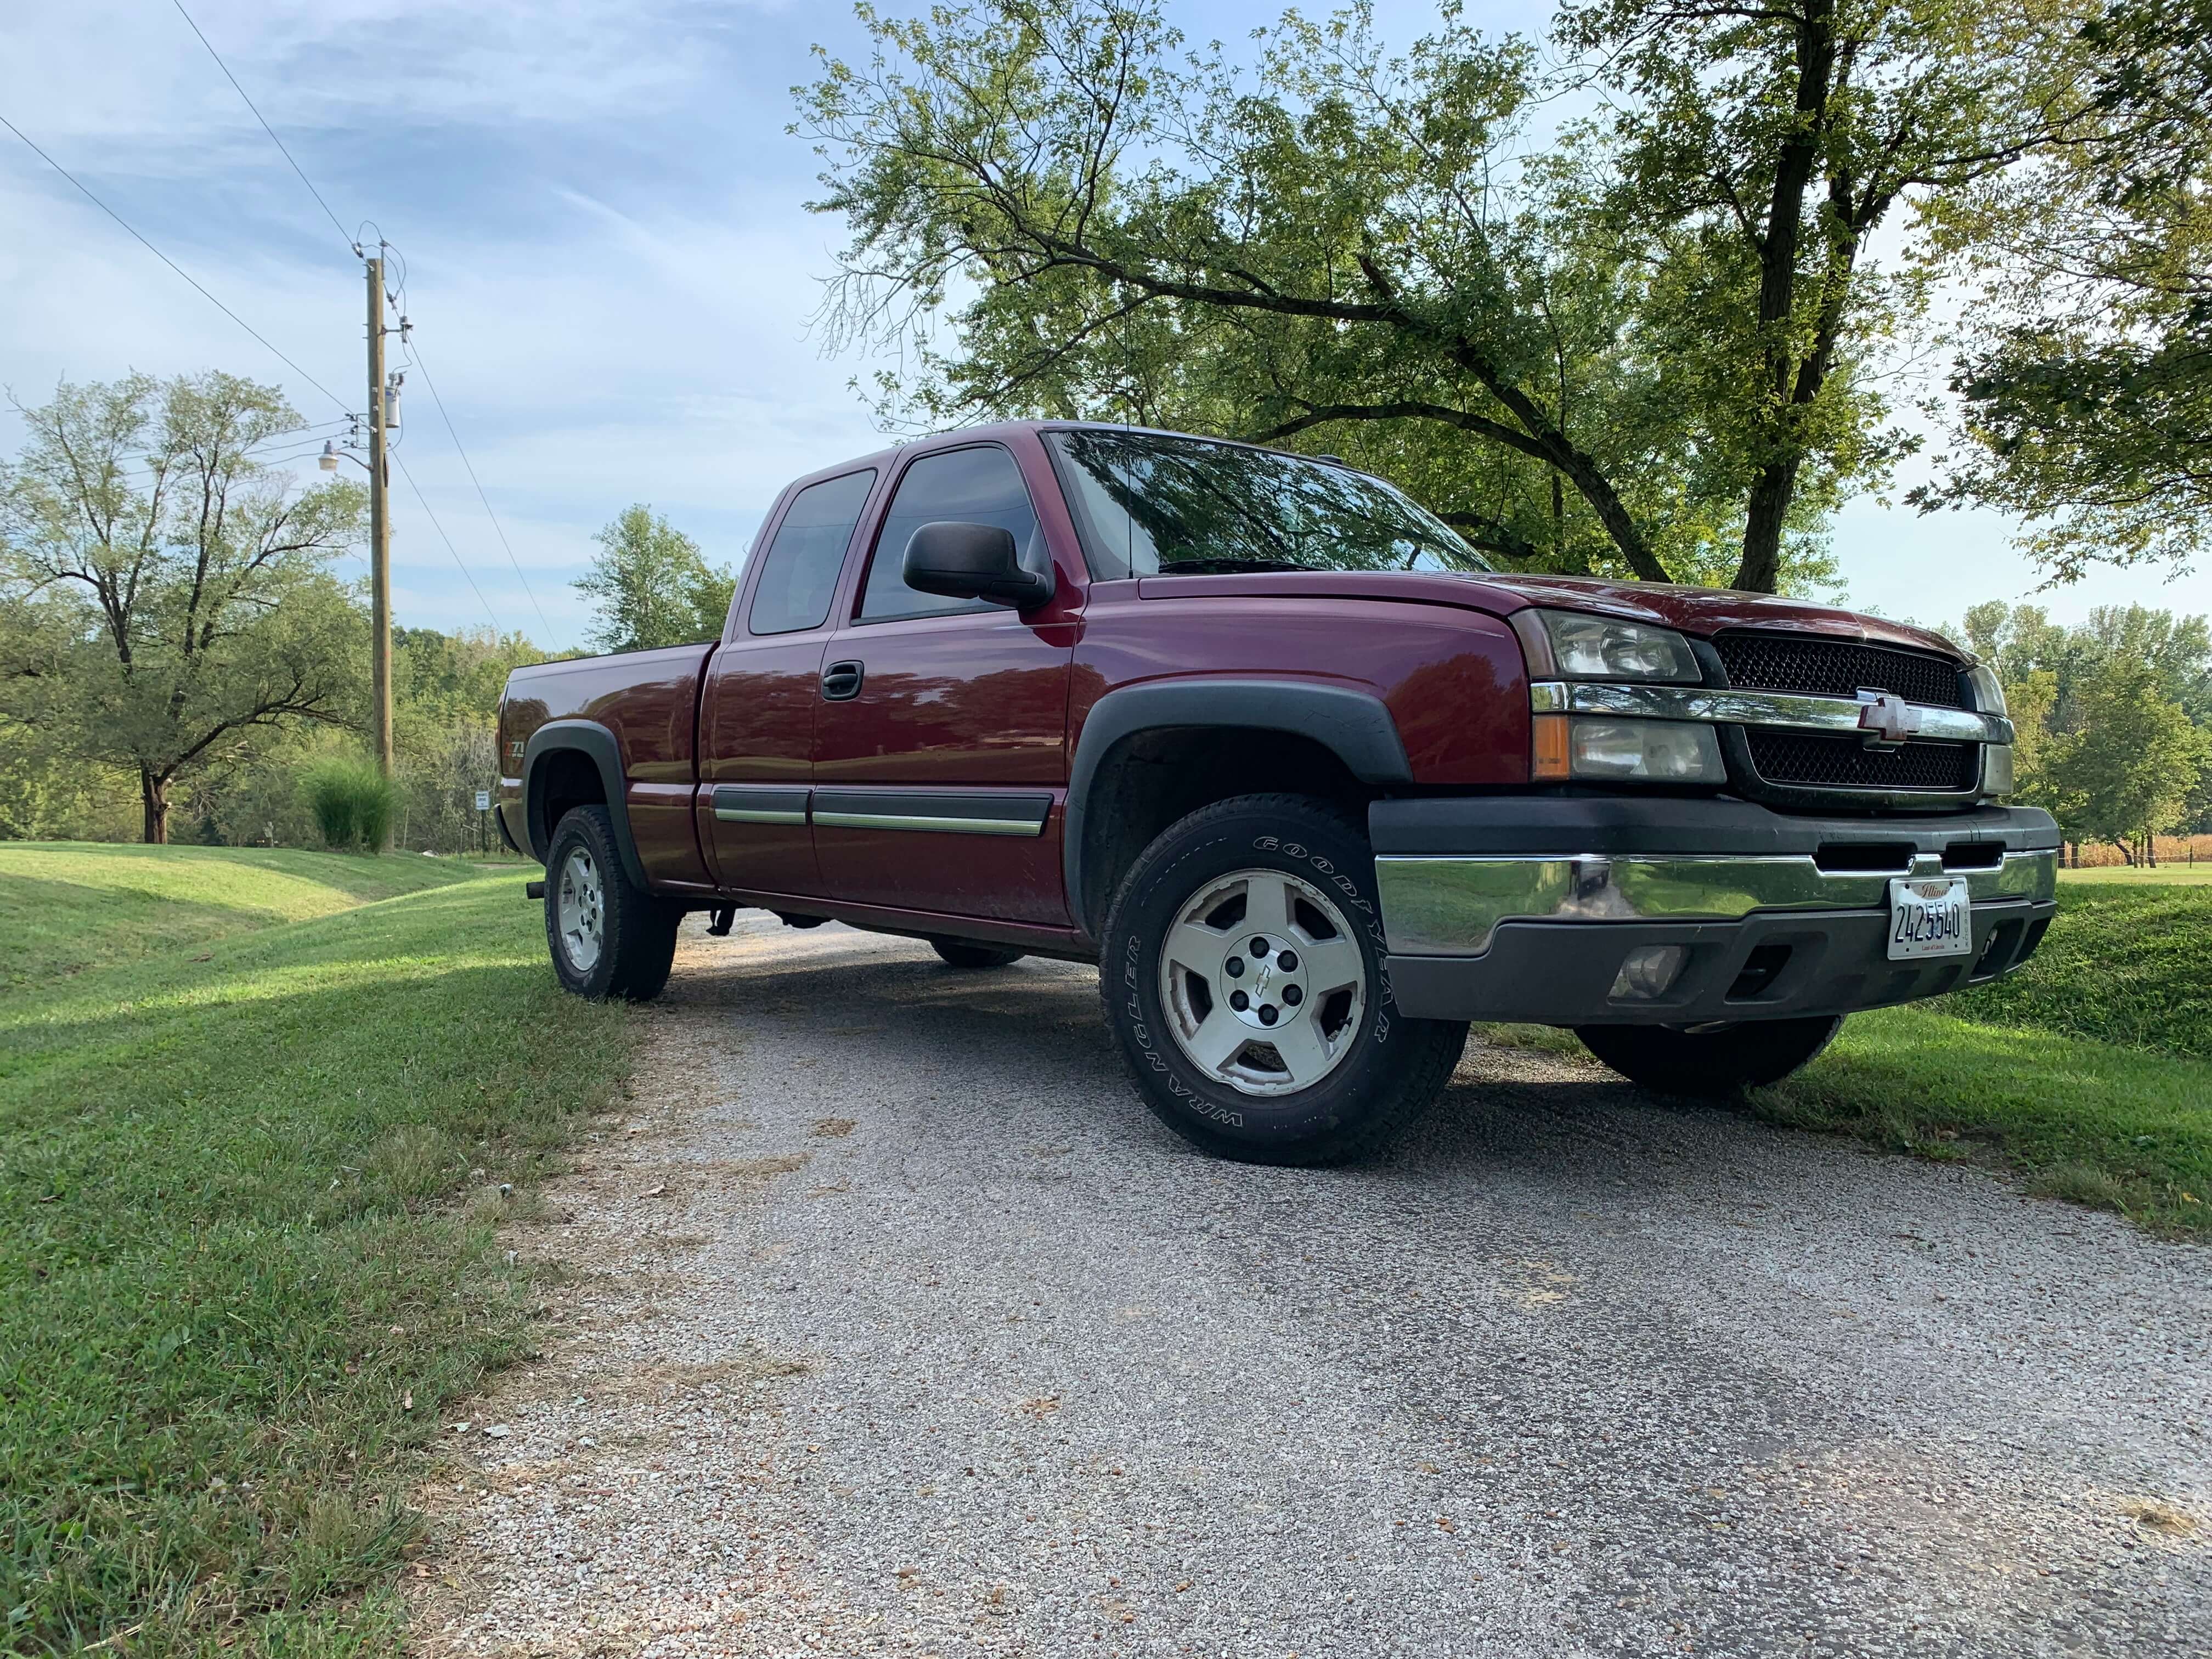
x: 981, y: 485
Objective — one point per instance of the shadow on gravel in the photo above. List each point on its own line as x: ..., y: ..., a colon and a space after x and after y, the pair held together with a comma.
x: 1508, y: 1115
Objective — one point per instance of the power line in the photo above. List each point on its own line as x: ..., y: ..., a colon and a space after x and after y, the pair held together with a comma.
x: 171, y: 263
x: 416, y: 355
x: 356, y: 242
x: 449, y: 541
x: 266, y: 127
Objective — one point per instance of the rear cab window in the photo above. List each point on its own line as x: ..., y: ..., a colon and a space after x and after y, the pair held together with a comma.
x: 799, y: 572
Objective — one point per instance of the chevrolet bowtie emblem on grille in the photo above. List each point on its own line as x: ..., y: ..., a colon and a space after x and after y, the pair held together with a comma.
x: 1887, y: 719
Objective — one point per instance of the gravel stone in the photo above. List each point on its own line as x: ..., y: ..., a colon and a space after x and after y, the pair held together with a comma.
x: 933, y: 1342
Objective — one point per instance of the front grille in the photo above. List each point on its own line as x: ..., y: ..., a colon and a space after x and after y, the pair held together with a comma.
x: 1815, y: 760
x: 1757, y: 661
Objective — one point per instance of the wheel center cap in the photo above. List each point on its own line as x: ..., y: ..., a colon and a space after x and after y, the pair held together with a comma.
x: 1262, y: 993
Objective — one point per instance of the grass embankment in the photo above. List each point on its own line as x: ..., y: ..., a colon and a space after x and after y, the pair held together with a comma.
x: 2088, y: 1072
x: 2123, y: 963
x: 246, y: 1195
x: 67, y: 906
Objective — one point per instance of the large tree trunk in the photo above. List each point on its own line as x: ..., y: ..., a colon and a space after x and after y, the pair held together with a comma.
x: 1794, y: 166
x: 154, y: 795
x: 1770, y: 494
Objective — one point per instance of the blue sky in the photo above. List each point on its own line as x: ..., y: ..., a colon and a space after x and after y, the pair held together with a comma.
x: 610, y: 267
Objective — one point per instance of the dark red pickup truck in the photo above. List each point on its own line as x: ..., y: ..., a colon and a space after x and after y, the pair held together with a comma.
x: 1313, y: 784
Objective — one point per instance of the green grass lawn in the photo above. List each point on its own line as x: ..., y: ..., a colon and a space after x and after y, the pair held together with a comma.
x: 246, y: 1191
x: 2139, y: 875
x: 67, y: 906
x: 2123, y: 1129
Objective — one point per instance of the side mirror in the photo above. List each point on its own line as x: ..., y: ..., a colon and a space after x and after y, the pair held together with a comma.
x: 973, y: 562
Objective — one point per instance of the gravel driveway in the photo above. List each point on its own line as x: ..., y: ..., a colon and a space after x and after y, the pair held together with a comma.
x: 896, y: 1324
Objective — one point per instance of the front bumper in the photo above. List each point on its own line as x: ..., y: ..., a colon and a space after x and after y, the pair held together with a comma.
x: 1524, y: 908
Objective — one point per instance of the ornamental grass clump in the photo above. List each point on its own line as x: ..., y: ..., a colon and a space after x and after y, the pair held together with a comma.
x: 353, y: 804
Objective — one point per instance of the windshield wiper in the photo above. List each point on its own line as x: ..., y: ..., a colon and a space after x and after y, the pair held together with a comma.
x: 1224, y: 566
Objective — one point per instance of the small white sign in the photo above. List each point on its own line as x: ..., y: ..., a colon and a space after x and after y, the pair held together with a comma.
x: 484, y: 800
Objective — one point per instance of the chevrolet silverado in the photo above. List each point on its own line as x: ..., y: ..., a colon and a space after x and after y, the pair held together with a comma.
x: 1313, y: 783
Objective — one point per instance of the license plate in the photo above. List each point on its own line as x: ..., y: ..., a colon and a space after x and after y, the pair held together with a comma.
x: 1930, y: 919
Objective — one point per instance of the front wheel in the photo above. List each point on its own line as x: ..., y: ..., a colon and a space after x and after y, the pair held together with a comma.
x: 608, y: 936
x: 1244, y: 979
x: 1711, y: 1064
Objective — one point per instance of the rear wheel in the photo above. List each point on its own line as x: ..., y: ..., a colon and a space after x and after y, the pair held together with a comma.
x: 966, y: 953
x: 1711, y: 1064
x: 1243, y: 982
x: 608, y: 936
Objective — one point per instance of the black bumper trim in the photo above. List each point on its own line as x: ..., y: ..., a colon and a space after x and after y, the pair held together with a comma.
x: 1562, y: 973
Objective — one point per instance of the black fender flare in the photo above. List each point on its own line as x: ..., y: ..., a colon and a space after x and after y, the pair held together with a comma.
x: 594, y: 741
x: 1356, y: 726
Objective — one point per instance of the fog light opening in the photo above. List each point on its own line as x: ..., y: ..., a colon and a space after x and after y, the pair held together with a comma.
x: 1649, y: 972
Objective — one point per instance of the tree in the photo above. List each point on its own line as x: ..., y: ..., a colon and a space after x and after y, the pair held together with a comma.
x: 2129, y: 771
x: 2021, y: 639
x: 167, y: 598
x: 2114, y: 715
x: 2086, y: 395
x: 651, y: 586
x: 1649, y: 344
x: 1769, y: 143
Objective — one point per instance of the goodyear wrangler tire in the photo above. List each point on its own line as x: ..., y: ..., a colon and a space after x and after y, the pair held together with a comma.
x: 608, y: 936
x: 1242, y: 976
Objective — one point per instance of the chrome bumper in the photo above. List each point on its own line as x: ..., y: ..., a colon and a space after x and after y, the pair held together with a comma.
x: 1448, y: 905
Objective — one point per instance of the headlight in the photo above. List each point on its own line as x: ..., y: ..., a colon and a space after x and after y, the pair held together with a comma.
x: 1646, y: 752
x: 1601, y: 648
x: 1989, y: 690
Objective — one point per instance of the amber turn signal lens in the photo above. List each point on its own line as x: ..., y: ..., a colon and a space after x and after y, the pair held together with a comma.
x: 1547, y: 748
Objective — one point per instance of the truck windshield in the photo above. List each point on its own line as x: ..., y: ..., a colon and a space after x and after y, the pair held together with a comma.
x: 1147, y: 504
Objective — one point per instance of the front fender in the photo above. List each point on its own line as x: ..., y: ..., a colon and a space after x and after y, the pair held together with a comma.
x: 1354, y: 725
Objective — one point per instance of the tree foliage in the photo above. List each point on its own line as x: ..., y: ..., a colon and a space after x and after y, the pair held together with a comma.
x: 165, y: 600
x: 1643, y: 351
x: 650, y: 586
x: 2086, y: 395
x: 2114, y: 715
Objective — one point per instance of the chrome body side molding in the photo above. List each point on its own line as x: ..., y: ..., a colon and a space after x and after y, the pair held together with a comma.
x: 931, y: 811
x: 760, y: 803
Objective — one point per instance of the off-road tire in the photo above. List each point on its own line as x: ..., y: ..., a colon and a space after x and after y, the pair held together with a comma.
x: 1711, y: 1064
x: 1395, y: 1069
x: 966, y: 953
x: 636, y: 932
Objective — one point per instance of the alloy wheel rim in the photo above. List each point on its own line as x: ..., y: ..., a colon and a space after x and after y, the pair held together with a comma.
x: 1262, y: 981
x: 580, y: 911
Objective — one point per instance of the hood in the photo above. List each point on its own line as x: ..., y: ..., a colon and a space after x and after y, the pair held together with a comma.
x: 1701, y: 610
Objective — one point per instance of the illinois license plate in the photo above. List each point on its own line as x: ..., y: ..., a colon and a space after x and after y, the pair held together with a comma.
x: 1930, y: 918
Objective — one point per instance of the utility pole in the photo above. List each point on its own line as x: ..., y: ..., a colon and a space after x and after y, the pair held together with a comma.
x: 379, y: 529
